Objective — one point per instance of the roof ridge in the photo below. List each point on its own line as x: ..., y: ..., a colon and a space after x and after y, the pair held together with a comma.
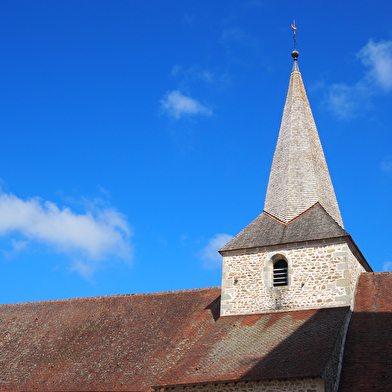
x: 112, y: 296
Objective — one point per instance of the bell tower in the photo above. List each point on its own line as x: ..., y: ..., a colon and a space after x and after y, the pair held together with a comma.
x: 295, y: 254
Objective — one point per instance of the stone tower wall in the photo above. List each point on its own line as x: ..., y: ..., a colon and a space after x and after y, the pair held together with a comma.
x: 319, y: 276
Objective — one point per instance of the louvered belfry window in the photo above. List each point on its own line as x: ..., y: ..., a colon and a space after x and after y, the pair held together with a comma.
x: 280, y: 273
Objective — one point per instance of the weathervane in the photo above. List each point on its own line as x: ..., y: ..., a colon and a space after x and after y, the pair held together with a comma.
x: 294, y: 31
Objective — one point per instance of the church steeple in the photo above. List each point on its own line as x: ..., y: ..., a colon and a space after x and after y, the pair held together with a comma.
x: 299, y: 176
x: 295, y: 254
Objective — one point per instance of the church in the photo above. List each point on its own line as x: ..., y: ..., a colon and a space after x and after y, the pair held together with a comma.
x: 299, y: 308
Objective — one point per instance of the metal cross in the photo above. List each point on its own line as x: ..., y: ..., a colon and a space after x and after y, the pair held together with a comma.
x: 294, y: 31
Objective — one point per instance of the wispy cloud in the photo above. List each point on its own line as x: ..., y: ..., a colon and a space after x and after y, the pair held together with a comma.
x: 349, y: 100
x: 386, y: 164
x: 387, y: 266
x: 88, y: 238
x: 210, y: 255
x: 194, y: 73
x: 177, y: 105
x: 188, y: 77
x: 18, y: 245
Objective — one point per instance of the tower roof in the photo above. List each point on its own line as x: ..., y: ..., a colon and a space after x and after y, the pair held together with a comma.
x: 264, y: 231
x: 299, y: 176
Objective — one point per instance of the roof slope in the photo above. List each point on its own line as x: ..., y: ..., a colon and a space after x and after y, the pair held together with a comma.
x: 299, y: 175
x: 269, y: 346
x: 368, y: 353
x: 134, y: 342
x: 314, y: 224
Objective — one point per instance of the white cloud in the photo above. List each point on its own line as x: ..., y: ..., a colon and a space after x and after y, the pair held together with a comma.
x: 209, y: 253
x: 378, y: 58
x: 176, y: 104
x: 387, y: 266
x: 350, y: 100
x: 90, y: 237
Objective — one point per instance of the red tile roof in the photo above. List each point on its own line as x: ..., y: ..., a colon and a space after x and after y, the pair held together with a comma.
x: 368, y: 353
x: 267, y: 346
x: 134, y: 342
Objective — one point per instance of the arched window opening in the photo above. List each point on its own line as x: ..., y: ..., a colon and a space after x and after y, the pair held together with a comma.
x: 280, y: 273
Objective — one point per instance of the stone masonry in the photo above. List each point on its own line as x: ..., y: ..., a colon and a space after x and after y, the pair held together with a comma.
x: 304, y: 385
x: 318, y: 276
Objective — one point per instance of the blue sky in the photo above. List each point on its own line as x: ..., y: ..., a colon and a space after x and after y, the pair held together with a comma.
x: 137, y: 136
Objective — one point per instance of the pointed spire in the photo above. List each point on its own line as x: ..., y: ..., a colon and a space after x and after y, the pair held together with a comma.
x: 299, y: 176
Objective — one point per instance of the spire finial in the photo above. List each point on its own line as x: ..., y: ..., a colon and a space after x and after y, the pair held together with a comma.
x: 294, y: 53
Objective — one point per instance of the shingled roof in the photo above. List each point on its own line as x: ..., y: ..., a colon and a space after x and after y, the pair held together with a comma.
x: 299, y: 175
x: 368, y: 353
x: 134, y: 342
x: 314, y: 224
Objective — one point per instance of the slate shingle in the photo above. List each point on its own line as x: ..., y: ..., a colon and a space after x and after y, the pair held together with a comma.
x: 314, y: 224
x: 299, y: 175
